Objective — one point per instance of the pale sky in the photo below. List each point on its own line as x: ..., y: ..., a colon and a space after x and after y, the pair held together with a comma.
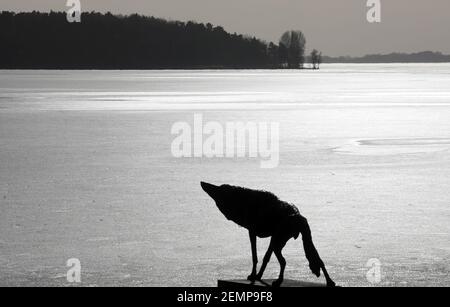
x: 336, y: 27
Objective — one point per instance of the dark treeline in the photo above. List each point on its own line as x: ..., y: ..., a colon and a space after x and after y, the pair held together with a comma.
x: 106, y: 41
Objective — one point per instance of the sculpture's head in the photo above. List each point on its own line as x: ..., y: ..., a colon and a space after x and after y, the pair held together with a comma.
x: 213, y: 191
x: 221, y: 196
x: 228, y: 199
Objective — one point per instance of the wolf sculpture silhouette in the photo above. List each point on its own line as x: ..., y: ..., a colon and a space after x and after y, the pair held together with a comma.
x: 264, y: 215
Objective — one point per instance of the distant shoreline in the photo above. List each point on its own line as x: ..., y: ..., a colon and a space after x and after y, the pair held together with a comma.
x: 135, y: 42
x: 216, y: 68
x: 394, y: 58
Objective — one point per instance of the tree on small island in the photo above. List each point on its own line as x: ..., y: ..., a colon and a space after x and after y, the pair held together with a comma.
x: 292, y: 49
x: 316, y: 59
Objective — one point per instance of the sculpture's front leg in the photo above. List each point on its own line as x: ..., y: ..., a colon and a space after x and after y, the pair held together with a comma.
x: 252, y: 277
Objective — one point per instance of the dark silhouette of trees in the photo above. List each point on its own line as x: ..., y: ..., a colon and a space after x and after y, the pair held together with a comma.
x: 294, y: 43
x: 283, y: 55
x: 274, y: 55
x: 105, y: 41
x: 316, y: 59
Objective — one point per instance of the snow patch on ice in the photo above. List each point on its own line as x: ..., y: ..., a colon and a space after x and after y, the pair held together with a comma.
x: 387, y: 147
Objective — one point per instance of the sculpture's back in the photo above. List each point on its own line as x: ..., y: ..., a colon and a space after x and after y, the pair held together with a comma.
x: 259, y: 211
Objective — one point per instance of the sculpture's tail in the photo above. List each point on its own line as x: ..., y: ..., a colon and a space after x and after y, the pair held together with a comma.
x: 315, y: 263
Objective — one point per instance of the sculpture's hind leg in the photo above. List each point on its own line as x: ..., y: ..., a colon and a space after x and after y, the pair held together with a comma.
x: 253, y: 276
x: 279, y: 244
x: 266, y: 260
x: 330, y: 282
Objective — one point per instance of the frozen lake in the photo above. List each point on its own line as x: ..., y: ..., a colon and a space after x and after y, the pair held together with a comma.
x: 86, y: 172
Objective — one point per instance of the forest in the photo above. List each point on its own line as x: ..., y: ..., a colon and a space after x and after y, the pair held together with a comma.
x: 104, y: 41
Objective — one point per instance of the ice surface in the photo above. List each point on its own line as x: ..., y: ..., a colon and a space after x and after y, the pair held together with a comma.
x: 86, y: 172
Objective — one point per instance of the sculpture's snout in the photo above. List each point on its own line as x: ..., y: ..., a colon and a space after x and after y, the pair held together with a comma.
x: 210, y: 189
